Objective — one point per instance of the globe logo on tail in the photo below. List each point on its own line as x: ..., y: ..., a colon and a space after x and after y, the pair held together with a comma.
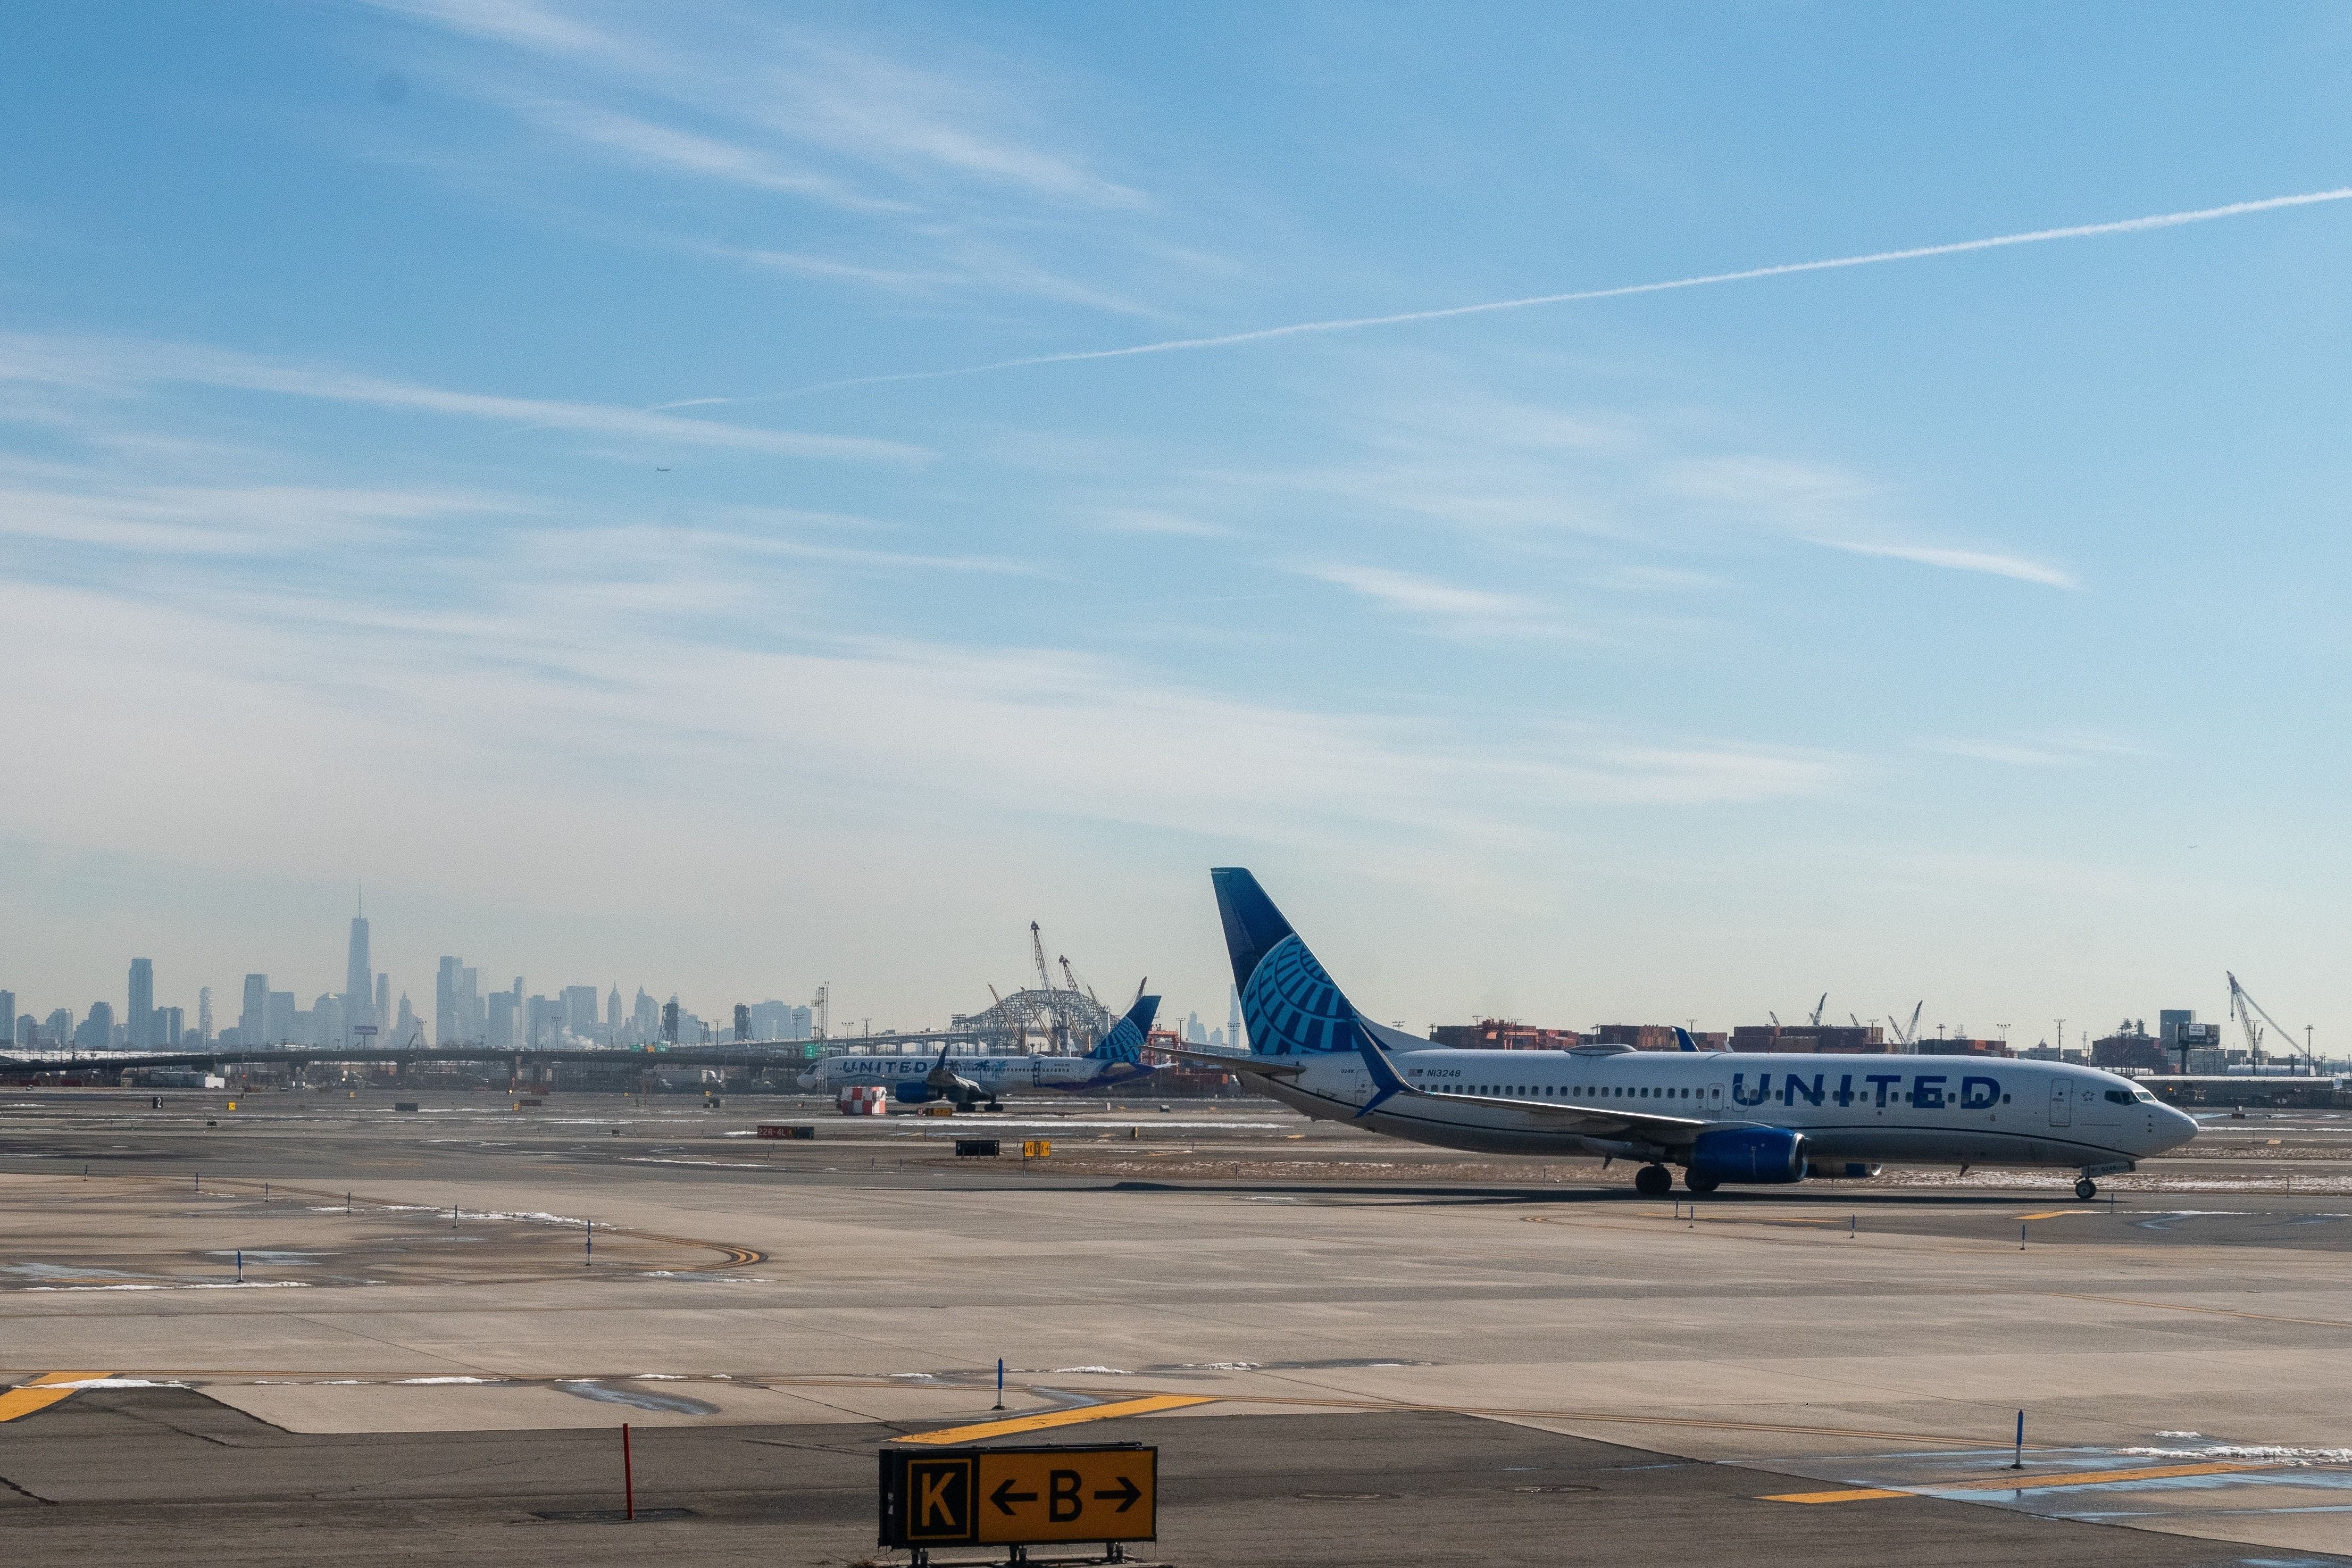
x: 1293, y: 1007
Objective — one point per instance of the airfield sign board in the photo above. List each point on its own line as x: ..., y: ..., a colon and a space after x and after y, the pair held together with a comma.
x: 1019, y: 1497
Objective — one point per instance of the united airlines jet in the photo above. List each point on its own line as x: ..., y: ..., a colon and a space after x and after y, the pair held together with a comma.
x: 1116, y: 1062
x: 1723, y: 1116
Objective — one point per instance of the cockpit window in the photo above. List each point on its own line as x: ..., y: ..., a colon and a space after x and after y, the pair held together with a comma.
x: 2120, y: 1096
x: 2142, y: 1094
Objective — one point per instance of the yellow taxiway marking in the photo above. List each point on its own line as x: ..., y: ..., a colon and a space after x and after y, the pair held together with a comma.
x: 43, y: 1392
x: 2055, y: 1214
x: 1039, y: 1422
x: 2024, y: 1482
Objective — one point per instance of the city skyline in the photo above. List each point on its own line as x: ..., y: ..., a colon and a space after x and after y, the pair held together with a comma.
x: 462, y: 1012
x: 1608, y: 518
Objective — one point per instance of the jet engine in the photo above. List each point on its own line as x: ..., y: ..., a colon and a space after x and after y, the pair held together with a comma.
x: 1747, y: 1155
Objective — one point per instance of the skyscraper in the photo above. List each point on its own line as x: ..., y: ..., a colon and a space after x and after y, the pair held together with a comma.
x: 580, y: 1010
x: 8, y: 1018
x: 138, y: 1023
x: 328, y: 1027
x: 503, y: 1025
x: 277, y: 1025
x: 204, y: 1015
x: 359, y: 979
x: 613, y: 1013
x: 96, y: 1031
x: 383, y: 1007
x: 445, y: 1001
x: 253, y: 1023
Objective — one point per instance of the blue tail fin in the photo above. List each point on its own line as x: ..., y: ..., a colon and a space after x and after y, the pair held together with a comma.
x: 1252, y: 925
x: 1125, y: 1041
x: 1290, y: 1005
x: 1683, y: 1039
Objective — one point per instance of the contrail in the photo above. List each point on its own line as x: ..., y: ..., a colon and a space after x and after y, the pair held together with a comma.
x: 1355, y: 323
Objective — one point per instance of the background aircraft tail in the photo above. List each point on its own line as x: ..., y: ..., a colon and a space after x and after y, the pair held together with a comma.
x: 1291, y: 1006
x: 1125, y: 1041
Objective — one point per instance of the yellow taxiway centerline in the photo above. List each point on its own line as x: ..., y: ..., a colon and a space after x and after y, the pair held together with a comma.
x: 43, y: 1392
x: 2024, y: 1482
x: 1046, y: 1418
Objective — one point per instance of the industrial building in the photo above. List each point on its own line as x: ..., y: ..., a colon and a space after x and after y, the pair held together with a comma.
x: 1834, y: 1039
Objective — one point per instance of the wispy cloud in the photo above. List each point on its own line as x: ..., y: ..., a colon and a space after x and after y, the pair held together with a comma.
x: 1784, y: 490
x: 102, y: 364
x: 2035, y: 751
x: 1837, y: 510
x: 1993, y: 563
x: 241, y: 520
x: 1450, y: 608
x: 667, y: 147
x: 1151, y: 520
x: 1423, y: 596
x: 951, y: 173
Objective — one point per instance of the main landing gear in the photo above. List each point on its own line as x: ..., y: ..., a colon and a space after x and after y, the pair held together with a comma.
x: 2087, y: 1189
x: 1699, y: 1184
x: 1654, y: 1181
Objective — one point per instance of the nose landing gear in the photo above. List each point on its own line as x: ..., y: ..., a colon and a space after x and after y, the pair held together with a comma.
x: 2087, y: 1189
x: 1654, y: 1181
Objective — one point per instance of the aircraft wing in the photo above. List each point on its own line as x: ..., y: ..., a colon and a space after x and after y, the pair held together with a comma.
x: 1666, y: 1129
x: 1260, y: 1066
x: 1581, y: 1118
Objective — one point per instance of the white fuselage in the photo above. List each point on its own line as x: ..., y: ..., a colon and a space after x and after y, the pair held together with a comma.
x: 1919, y: 1109
x: 994, y: 1075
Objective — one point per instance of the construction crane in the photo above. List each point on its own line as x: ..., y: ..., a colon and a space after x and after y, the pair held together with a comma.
x: 2244, y: 1008
x: 1037, y: 951
x: 1774, y: 1016
x: 1905, y: 1034
x: 1816, y: 1020
x: 1064, y: 960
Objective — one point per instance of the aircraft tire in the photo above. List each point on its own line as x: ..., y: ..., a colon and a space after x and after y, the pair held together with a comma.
x: 1699, y: 1183
x: 1654, y: 1181
x: 2087, y: 1189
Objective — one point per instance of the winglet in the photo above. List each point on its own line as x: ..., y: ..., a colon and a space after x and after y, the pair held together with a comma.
x: 1683, y: 1039
x: 1385, y: 1077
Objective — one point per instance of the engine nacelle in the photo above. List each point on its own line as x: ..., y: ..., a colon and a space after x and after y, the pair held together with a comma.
x: 912, y: 1091
x: 1754, y: 1156
x: 1845, y: 1170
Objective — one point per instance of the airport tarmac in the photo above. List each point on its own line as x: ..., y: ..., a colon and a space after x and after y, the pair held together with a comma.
x: 1387, y: 1329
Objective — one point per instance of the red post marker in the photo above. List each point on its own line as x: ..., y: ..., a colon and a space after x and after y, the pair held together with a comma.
x: 628, y: 1480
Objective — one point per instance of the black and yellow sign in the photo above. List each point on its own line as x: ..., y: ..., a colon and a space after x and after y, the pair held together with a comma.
x: 1006, y: 1497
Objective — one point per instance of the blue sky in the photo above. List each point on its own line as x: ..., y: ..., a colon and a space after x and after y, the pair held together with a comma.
x: 425, y: 458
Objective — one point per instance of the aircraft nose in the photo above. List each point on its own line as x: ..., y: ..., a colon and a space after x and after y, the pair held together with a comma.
x: 2179, y: 1124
